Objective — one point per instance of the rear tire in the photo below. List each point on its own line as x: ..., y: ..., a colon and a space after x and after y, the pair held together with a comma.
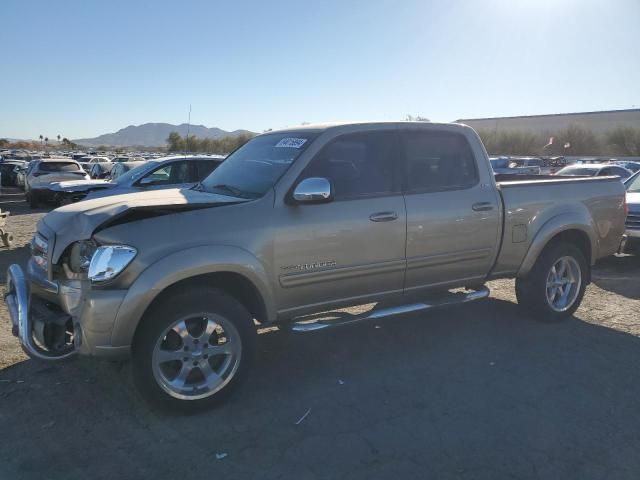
x: 555, y: 286
x: 193, y: 349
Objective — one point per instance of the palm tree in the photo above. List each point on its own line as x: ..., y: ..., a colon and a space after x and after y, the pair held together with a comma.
x: 41, y: 137
x: 58, y: 138
x: 46, y: 140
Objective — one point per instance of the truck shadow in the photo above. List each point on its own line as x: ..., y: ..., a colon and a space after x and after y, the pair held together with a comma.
x: 619, y: 274
x: 463, y: 388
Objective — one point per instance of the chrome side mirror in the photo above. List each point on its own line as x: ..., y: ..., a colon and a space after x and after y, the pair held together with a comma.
x: 313, y: 190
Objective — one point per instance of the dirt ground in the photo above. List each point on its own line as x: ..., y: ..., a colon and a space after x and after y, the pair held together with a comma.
x: 477, y: 391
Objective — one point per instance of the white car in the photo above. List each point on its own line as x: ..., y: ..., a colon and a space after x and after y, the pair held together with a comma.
x: 595, y: 170
x: 42, y: 173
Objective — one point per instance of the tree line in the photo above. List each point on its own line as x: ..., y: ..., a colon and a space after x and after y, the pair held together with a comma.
x: 573, y: 140
x: 193, y: 144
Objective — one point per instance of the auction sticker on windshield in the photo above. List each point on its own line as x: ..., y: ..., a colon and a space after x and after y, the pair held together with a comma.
x: 291, y: 143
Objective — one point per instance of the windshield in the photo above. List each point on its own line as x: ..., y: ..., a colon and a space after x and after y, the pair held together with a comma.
x: 577, y: 171
x: 255, y: 167
x: 135, y: 173
x: 634, y: 184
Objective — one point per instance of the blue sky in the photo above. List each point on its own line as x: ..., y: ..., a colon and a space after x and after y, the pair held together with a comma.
x: 83, y: 68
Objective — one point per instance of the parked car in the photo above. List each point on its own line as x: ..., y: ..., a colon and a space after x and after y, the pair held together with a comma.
x: 537, y: 164
x: 295, y: 222
x: 121, y: 168
x: 127, y: 159
x: 21, y: 174
x: 631, y: 166
x: 9, y: 171
x: 594, y: 170
x: 101, y: 170
x: 632, y: 223
x: 42, y: 173
x: 168, y: 172
x: 505, y: 166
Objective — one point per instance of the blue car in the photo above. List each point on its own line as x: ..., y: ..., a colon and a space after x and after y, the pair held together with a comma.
x: 161, y: 173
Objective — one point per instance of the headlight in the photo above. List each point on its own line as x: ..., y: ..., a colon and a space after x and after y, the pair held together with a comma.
x: 109, y: 260
x: 80, y: 256
x: 39, y: 251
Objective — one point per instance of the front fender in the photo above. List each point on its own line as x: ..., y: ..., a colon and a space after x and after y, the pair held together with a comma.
x: 181, y: 266
x: 577, y: 220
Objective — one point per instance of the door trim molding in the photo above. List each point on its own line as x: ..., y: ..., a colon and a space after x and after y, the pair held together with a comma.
x: 341, y: 273
x: 451, y: 257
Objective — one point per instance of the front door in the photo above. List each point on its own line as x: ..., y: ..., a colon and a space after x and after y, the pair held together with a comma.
x: 178, y: 174
x: 453, y: 218
x: 351, y: 249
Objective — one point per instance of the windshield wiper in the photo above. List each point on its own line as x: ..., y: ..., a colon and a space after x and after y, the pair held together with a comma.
x: 236, y: 192
x: 198, y: 187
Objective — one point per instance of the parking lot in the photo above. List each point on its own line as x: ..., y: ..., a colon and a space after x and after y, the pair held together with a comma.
x: 470, y: 392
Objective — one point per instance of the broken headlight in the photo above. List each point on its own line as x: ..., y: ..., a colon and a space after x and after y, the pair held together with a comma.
x: 80, y: 256
x: 109, y: 260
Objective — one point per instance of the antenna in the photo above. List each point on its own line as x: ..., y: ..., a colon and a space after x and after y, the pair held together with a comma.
x: 186, y: 141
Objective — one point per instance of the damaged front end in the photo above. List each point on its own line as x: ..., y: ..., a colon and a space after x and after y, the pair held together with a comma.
x: 54, y: 309
x: 45, y: 331
x: 67, y: 299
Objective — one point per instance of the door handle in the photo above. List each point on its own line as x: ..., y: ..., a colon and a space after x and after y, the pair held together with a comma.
x: 482, y: 206
x: 383, y: 216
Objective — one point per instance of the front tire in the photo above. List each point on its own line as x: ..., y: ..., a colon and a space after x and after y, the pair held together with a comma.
x: 555, y: 286
x: 192, y: 349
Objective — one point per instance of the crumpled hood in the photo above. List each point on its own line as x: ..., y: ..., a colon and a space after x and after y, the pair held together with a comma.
x: 81, y: 185
x: 633, y: 201
x: 78, y: 221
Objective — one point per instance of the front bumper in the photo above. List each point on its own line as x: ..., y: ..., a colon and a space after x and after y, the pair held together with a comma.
x: 36, y: 303
x: 17, y: 300
x: 44, y: 194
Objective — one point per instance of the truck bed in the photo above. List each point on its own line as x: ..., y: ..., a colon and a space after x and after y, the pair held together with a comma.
x: 533, y: 202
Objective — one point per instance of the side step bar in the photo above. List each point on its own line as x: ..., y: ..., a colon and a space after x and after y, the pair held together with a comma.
x: 450, y: 299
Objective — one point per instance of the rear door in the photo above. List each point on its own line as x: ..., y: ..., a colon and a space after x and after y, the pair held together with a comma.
x: 453, y: 218
x: 352, y: 248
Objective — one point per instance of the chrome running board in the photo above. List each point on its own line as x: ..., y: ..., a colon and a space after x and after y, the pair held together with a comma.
x: 375, y: 314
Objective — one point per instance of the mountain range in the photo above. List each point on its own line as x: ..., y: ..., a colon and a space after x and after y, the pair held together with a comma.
x: 153, y: 135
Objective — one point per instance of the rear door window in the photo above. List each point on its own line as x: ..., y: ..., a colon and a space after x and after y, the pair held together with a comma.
x: 437, y: 161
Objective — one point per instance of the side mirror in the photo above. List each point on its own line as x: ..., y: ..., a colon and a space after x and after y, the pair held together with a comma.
x: 146, y: 181
x: 313, y: 190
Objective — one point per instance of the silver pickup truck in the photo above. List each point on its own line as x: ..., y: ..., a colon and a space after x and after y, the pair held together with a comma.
x: 404, y: 215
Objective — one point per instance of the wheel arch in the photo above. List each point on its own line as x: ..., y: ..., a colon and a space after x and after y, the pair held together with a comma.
x: 231, y: 269
x: 571, y: 228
